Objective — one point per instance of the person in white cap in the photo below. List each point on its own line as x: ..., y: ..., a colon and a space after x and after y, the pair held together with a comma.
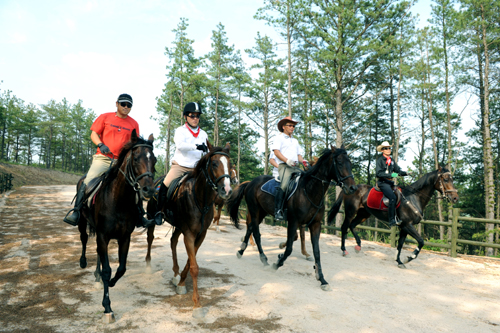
x: 190, y: 145
x: 386, y: 171
x: 288, y: 154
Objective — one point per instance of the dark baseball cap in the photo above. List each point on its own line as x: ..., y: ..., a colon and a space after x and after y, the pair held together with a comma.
x: 125, y: 98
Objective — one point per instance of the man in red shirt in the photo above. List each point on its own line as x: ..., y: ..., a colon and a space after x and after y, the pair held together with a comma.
x: 110, y: 131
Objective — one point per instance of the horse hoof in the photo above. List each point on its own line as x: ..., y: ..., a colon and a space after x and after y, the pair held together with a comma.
x: 199, y: 312
x: 402, y: 266
x: 181, y: 290
x: 238, y: 254
x: 357, y: 248
x: 282, y: 245
x: 243, y: 246
x: 345, y: 253
x: 108, y: 318
x: 309, y: 258
x: 175, y: 280
x: 275, y: 267
x: 83, y: 262
x: 263, y: 259
x: 326, y: 287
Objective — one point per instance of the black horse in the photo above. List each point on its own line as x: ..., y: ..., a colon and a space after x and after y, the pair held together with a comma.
x: 305, y: 207
x: 114, y: 214
x: 415, y: 197
x: 193, y: 210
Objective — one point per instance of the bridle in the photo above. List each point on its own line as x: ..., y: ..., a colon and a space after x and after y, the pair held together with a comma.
x: 129, y: 174
x: 442, y: 188
x: 339, y: 178
x: 209, y: 169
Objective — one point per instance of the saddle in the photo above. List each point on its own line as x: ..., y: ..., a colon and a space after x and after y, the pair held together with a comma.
x: 269, y: 187
x: 172, y: 189
x: 377, y: 200
x: 92, y: 188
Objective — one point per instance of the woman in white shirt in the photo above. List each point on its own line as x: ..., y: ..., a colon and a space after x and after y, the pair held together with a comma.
x: 190, y: 145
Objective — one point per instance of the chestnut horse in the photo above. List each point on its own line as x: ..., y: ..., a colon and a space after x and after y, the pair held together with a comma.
x: 192, y: 213
x: 415, y: 197
x: 114, y: 214
x: 305, y: 207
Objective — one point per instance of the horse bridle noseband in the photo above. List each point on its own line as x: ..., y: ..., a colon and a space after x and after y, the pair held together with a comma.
x: 211, y: 183
x: 130, y: 177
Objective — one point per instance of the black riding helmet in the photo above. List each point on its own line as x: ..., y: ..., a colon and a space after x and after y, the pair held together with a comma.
x: 191, y: 107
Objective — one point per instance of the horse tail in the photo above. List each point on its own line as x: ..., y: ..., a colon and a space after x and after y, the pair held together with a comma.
x: 234, y: 201
x: 335, y: 208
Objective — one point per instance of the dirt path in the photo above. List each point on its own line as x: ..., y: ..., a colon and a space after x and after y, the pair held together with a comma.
x: 43, y: 289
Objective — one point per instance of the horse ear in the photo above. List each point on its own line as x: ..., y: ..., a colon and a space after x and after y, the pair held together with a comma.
x: 151, y: 138
x: 440, y: 169
x: 333, y: 148
x: 342, y: 147
x: 209, y: 145
x: 133, y: 137
x: 227, y: 147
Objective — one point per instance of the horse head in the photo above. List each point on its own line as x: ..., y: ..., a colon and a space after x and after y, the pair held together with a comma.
x: 140, y: 165
x: 341, y: 170
x: 218, y: 169
x: 444, y: 184
x: 234, y: 176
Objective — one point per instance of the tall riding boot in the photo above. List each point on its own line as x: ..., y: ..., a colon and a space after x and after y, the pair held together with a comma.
x: 278, y: 204
x: 162, y: 197
x: 392, y: 213
x: 75, y: 217
x: 145, y: 223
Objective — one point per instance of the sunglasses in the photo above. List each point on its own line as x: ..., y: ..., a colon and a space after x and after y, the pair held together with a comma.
x: 290, y: 125
x: 385, y: 148
x: 126, y: 105
x: 194, y: 116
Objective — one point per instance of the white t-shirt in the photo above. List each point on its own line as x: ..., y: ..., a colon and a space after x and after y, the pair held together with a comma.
x: 275, y: 169
x: 288, y: 146
x: 186, y: 154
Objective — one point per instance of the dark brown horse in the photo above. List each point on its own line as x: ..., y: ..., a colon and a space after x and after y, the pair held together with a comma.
x: 192, y: 208
x: 219, y: 202
x: 114, y: 214
x: 415, y: 198
x: 305, y: 207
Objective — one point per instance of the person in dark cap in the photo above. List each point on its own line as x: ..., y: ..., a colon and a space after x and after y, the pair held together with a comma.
x: 288, y: 155
x: 386, y: 170
x: 190, y: 145
x: 110, y: 131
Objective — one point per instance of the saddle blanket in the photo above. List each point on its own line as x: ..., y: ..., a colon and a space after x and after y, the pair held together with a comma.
x: 269, y: 187
x: 376, y: 200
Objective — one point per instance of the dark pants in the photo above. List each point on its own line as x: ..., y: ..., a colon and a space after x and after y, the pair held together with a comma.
x: 386, y: 188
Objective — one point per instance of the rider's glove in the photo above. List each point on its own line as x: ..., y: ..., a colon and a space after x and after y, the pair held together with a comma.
x: 103, y: 148
x: 394, y: 175
x: 203, y: 147
x: 403, y: 173
x: 290, y: 162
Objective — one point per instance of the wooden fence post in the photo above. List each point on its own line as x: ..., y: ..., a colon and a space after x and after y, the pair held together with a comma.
x: 393, y: 237
x: 454, y: 232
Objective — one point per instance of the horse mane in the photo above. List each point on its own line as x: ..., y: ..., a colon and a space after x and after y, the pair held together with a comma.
x: 422, y: 182
x: 198, y: 168
x: 325, y: 155
x: 113, y: 171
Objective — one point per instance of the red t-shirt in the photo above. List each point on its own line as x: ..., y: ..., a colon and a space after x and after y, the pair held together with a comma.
x: 114, y: 131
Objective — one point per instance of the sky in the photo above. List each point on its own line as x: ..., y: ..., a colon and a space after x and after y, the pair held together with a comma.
x: 94, y: 50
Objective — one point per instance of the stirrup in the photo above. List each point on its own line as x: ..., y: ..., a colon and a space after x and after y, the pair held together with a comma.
x: 65, y: 219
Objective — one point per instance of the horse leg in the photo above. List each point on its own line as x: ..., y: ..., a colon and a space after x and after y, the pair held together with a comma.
x: 151, y: 237
x: 102, y: 250
x: 245, y: 239
x: 291, y: 231
x: 123, y: 247
x: 315, y: 230
x: 84, y: 237
x: 401, y: 241
x: 173, y: 245
x: 343, y: 231
x: 303, y: 243
x: 97, y: 272
x: 283, y: 244
x: 189, y: 242
x: 414, y: 233
x: 360, y: 218
x: 256, y: 237
x: 217, y: 214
